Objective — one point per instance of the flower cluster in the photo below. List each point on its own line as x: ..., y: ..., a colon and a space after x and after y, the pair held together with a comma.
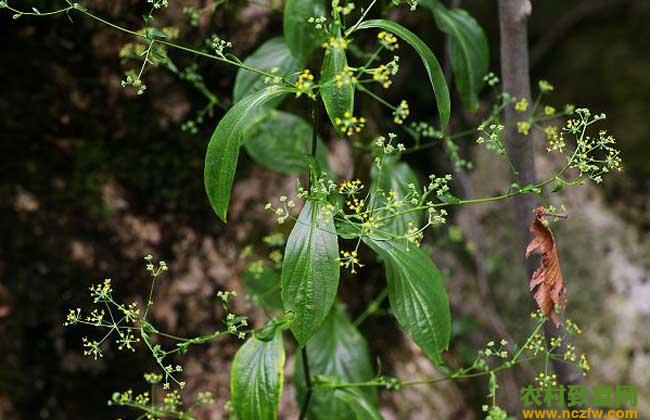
x: 335, y: 43
x: 345, y: 77
x: 350, y: 260
x: 491, y: 137
x: 555, y: 139
x: 133, y: 80
x: 521, y: 105
x: 350, y: 124
x: 318, y: 22
x: 382, y: 74
x: 350, y: 187
x: 305, y: 84
x: 545, y: 380
x: 385, y: 147
x: 219, y: 45
x: 388, y: 40
x: 284, y: 212
x: 127, y: 325
x: 345, y: 10
x: 493, y: 350
x: 156, y: 404
x: 158, y: 4
x: 594, y: 156
x: 491, y: 79
x: 401, y: 112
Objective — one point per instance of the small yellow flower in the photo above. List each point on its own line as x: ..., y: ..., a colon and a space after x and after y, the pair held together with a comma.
x: 388, y: 40
x: 521, y: 105
x: 545, y: 86
x: 346, y: 77
x: 350, y: 124
x: 523, y: 127
x: 305, y: 84
x: 401, y: 113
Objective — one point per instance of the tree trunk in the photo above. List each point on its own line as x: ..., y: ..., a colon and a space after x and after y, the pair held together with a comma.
x: 515, y: 74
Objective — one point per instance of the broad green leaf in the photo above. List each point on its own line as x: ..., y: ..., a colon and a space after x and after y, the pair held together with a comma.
x: 302, y: 37
x: 470, y: 53
x: 281, y: 142
x: 360, y: 408
x: 273, y: 56
x: 257, y: 377
x: 417, y: 295
x: 310, y: 270
x: 431, y: 65
x: 395, y: 176
x: 338, y: 351
x: 263, y: 282
x: 223, y: 149
x: 338, y: 100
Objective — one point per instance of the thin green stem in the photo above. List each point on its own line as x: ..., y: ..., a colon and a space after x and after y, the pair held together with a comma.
x: 361, y: 19
x: 305, y: 367
x: 371, y: 308
x: 82, y: 10
x: 375, y: 97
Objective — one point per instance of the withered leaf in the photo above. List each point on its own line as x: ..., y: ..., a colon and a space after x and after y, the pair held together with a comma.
x: 546, y: 284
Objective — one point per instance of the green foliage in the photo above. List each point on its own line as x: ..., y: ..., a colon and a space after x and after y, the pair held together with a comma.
x: 470, y: 53
x: 339, y: 353
x: 431, y: 65
x: 274, y: 57
x: 336, y: 90
x: 310, y: 271
x: 257, y: 378
x: 388, y: 217
x: 263, y: 282
x: 398, y: 179
x: 223, y: 149
x: 417, y: 296
x: 281, y: 142
x: 301, y: 35
x: 359, y: 407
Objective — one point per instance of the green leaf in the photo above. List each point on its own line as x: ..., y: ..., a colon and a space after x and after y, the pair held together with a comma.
x: 310, y: 270
x: 395, y: 176
x: 470, y: 53
x: 155, y: 33
x: 273, y: 54
x: 281, y: 142
x: 360, y: 408
x: 223, y: 149
x: 431, y: 65
x: 339, y: 101
x: 338, y: 351
x: 257, y: 377
x: 417, y: 295
x: 264, y: 283
x: 302, y: 37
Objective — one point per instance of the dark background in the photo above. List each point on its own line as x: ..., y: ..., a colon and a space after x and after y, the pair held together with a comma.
x: 93, y: 177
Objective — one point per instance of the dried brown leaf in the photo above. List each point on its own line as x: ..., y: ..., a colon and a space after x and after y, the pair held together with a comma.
x: 546, y: 284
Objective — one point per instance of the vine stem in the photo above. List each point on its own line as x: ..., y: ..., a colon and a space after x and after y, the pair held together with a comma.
x: 305, y: 368
x: 84, y: 11
x: 179, y: 46
x: 363, y: 16
x: 371, y: 308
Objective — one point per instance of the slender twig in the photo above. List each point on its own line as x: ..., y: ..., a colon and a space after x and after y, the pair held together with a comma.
x: 371, y: 308
x: 308, y: 385
x: 363, y: 16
